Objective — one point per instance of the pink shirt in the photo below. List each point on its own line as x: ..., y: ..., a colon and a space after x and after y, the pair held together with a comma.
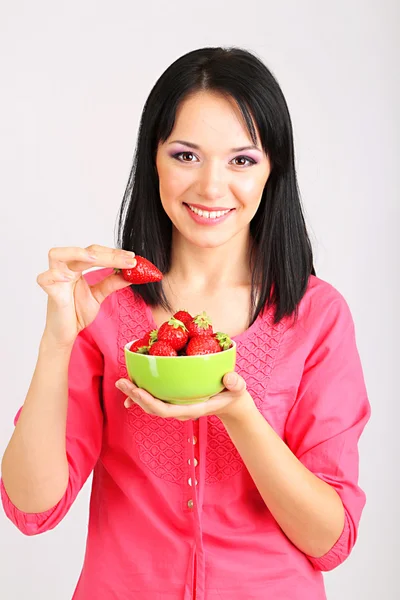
x: 164, y: 526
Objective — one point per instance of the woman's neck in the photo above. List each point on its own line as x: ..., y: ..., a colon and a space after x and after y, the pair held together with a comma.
x: 210, y: 269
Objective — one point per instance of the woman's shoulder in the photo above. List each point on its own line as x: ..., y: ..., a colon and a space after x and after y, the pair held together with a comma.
x: 323, y: 313
x: 320, y: 299
x: 321, y: 309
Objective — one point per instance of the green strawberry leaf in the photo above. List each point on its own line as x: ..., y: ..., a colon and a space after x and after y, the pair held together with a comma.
x: 175, y: 323
x: 142, y: 350
x: 202, y: 320
x: 224, y: 340
x: 153, y: 337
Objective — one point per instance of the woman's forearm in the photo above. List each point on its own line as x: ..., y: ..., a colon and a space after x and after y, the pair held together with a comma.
x: 34, y: 466
x: 308, y: 510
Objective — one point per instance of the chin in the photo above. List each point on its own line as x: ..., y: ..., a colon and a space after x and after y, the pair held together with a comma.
x: 209, y: 240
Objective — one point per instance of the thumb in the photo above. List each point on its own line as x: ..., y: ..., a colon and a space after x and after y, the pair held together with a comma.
x: 108, y: 285
x: 234, y: 383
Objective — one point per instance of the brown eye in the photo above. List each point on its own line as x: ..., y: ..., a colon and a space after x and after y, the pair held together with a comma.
x: 244, y: 161
x: 184, y: 157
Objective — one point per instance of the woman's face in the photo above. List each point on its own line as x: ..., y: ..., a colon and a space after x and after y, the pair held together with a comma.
x: 211, y: 176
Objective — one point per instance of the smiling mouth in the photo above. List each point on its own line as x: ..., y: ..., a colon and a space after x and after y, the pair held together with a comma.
x: 213, y: 214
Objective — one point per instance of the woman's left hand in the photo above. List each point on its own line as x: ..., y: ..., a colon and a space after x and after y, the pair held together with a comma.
x: 231, y: 402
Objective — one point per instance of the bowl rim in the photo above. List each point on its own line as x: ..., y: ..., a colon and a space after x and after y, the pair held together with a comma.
x: 126, y: 349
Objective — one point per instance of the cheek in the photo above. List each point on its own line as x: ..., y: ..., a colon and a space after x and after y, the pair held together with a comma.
x: 173, y: 181
x: 251, y: 187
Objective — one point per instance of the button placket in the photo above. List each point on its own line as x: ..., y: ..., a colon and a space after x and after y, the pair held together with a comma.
x: 192, y: 462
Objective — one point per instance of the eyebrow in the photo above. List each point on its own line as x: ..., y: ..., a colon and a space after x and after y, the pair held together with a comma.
x: 196, y: 147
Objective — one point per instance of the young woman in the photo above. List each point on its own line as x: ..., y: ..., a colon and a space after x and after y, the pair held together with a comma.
x: 254, y: 493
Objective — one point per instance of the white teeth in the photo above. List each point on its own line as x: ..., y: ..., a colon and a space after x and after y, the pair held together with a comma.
x: 208, y: 215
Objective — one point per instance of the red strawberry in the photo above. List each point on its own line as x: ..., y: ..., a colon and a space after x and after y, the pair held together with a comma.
x: 203, y: 344
x: 224, y: 340
x: 140, y: 346
x: 200, y: 325
x: 184, y: 316
x: 144, y: 272
x: 174, y: 332
x: 162, y: 349
x: 150, y: 337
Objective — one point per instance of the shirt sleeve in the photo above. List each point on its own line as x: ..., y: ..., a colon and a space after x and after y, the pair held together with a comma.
x: 328, y: 417
x: 83, y: 435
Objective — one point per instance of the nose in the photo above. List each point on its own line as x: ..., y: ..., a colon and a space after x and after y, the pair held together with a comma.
x: 212, y: 181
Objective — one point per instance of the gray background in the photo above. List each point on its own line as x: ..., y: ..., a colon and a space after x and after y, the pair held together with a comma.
x: 74, y: 77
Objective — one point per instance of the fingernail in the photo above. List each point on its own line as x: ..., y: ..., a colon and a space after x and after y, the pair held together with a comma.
x: 121, y: 385
x: 130, y: 264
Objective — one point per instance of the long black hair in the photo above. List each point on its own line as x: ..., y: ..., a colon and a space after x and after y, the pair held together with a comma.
x: 282, y: 258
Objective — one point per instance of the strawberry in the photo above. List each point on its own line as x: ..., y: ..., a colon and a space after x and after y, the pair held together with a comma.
x: 224, y: 340
x: 144, y: 272
x: 150, y: 337
x: 200, y: 325
x: 184, y: 316
x: 140, y: 346
x: 203, y: 344
x: 162, y: 349
x: 174, y: 332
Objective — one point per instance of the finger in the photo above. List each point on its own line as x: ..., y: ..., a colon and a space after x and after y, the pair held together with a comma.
x: 234, y: 383
x: 145, y: 400
x: 70, y: 255
x: 128, y: 403
x: 125, y: 385
x: 167, y: 410
x: 108, y: 285
x: 80, y: 259
x: 133, y: 399
x: 116, y: 258
x: 53, y: 276
x: 154, y: 406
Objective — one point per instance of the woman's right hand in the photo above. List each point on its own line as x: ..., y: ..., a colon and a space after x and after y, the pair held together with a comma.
x: 72, y: 303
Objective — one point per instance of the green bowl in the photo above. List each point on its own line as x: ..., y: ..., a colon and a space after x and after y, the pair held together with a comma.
x: 180, y: 379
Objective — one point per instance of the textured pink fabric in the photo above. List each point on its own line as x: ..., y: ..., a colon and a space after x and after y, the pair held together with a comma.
x: 144, y: 540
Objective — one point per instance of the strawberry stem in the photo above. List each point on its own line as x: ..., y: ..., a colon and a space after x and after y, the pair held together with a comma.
x: 203, y: 320
x: 176, y: 323
x: 224, y: 340
x: 153, y: 337
x: 142, y: 350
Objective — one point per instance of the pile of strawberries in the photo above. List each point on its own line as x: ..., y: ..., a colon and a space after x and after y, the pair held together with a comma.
x: 183, y: 335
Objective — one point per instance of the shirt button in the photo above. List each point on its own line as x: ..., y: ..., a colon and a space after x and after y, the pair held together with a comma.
x: 190, y: 481
x: 195, y: 462
x: 190, y: 503
x: 193, y: 440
